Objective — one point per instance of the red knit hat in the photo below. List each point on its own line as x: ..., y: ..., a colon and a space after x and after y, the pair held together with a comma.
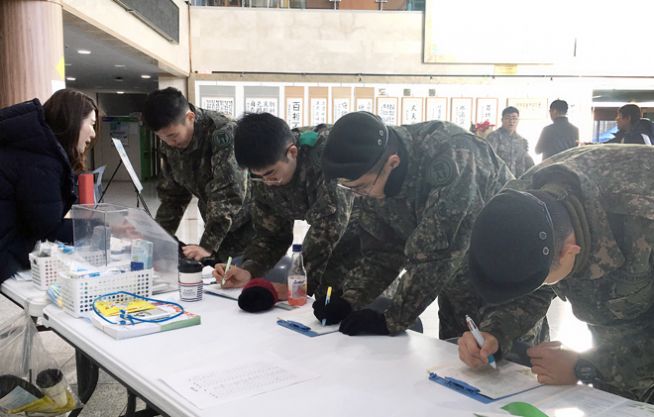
x: 258, y: 295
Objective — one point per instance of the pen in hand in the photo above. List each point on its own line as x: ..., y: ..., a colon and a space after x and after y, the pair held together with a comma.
x: 329, y: 294
x: 229, y: 263
x: 479, y: 339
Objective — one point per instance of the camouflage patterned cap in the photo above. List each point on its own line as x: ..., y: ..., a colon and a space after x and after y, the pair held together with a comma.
x: 511, y: 246
x: 354, y: 145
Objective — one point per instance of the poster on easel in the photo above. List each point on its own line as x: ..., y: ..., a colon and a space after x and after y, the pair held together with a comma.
x: 437, y: 108
x: 128, y: 164
x: 261, y: 105
x: 224, y: 105
x: 387, y: 110
x: 411, y: 110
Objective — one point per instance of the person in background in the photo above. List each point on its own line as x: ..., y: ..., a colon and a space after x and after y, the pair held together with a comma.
x: 198, y: 160
x: 41, y: 149
x: 560, y: 135
x: 509, y: 145
x: 581, y: 225
x: 635, y: 129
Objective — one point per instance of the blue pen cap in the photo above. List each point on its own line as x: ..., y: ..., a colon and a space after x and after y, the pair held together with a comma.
x: 297, y: 247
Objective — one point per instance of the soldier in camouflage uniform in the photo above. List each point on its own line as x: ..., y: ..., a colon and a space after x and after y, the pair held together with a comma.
x: 198, y: 160
x: 423, y: 185
x: 582, y: 223
x: 288, y: 185
x: 509, y: 145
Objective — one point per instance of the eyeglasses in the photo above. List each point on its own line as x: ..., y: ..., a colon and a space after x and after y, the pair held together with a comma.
x: 362, y: 190
x: 511, y: 118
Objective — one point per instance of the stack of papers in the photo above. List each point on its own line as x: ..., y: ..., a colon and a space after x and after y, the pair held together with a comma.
x: 206, y: 387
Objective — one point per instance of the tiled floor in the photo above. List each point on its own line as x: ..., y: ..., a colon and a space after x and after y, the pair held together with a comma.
x: 110, y: 398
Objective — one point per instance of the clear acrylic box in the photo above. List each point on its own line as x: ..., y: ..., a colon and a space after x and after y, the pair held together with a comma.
x: 104, y: 235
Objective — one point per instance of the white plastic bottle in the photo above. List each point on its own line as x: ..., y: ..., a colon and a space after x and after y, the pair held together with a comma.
x: 297, y: 279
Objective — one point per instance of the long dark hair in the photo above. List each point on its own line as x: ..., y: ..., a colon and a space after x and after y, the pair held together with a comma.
x: 64, y: 112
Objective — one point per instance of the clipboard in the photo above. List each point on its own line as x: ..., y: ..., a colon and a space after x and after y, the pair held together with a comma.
x: 486, y: 385
x: 304, y: 322
x: 461, y: 387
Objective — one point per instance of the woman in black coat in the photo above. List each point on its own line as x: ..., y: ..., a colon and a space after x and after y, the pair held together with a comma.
x: 41, y: 147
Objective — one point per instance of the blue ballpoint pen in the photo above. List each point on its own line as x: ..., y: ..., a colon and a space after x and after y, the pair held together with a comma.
x: 479, y: 339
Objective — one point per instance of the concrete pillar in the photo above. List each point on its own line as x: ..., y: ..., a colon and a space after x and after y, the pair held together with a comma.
x: 31, y: 50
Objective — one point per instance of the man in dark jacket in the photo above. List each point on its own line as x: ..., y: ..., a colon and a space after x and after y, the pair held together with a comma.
x: 637, y: 131
x: 36, y: 185
x: 560, y: 135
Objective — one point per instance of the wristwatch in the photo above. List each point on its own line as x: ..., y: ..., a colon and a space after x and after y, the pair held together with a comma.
x: 585, y: 371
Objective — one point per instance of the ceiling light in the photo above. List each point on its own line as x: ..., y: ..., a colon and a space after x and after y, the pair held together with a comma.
x: 146, y: 76
x: 120, y: 92
x: 119, y: 65
x: 83, y: 51
x: 70, y: 78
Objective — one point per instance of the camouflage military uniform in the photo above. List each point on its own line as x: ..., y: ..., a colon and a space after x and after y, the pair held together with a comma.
x: 612, y: 285
x: 513, y: 149
x: 307, y: 197
x: 208, y: 170
x: 426, y: 227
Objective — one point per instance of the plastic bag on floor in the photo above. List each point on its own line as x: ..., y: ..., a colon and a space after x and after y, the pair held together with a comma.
x: 31, y: 383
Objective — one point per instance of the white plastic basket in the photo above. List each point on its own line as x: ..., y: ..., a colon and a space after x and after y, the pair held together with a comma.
x: 78, y: 294
x: 45, y: 270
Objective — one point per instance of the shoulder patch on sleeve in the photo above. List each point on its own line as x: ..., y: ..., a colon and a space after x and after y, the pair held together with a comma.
x: 442, y: 172
x: 221, y: 139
